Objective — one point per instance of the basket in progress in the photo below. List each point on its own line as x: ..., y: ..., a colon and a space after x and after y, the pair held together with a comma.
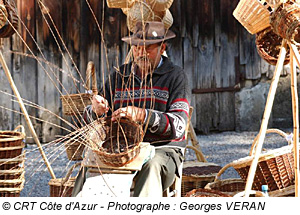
x: 122, y: 143
x: 205, y: 193
x: 275, y: 167
x: 63, y: 187
x: 285, y: 21
x: 74, y: 104
x: 268, y: 45
x: 253, y: 14
x: 197, y: 174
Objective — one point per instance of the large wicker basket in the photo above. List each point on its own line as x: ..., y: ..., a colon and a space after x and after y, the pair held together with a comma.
x: 122, y: 143
x: 268, y: 46
x: 197, y: 174
x: 11, y: 143
x: 275, y: 167
x: 285, y: 21
x: 253, y: 14
x: 205, y: 193
x: 74, y: 104
x: 63, y: 187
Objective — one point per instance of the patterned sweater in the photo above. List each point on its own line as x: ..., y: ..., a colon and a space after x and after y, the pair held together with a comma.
x: 165, y: 96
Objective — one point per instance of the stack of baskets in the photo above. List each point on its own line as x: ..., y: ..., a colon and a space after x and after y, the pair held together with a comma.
x: 74, y: 104
x: 144, y: 10
x: 63, y: 187
x: 12, y: 173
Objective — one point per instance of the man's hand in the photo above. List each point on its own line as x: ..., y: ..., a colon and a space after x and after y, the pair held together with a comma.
x: 99, y: 105
x: 132, y: 113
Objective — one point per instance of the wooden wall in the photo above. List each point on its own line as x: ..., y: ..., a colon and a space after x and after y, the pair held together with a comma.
x: 217, y: 53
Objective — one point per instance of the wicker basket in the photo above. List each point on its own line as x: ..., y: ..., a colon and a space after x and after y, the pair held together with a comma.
x: 205, y: 193
x: 9, y: 28
x: 74, y: 104
x: 140, y: 11
x: 12, y: 191
x: 12, y: 163
x: 74, y: 148
x: 275, y: 167
x: 253, y: 15
x: 63, y: 187
x: 119, y: 3
x: 3, y: 14
x: 285, y: 21
x: 11, y: 143
x: 230, y: 186
x: 160, y: 5
x: 168, y: 19
x: 122, y: 143
x: 268, y: 46
x: 197, y: 174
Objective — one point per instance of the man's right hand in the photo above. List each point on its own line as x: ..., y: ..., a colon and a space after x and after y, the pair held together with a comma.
x: 99, y: 105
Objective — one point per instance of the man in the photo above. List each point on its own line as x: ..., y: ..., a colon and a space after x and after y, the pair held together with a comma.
x: 153, y: 91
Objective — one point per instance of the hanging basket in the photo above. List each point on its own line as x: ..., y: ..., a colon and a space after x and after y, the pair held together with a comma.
x: 268, y: 46
x: 9, y: 28
x: 253, y: 14
x: 63, y: 187
x: 285, y: 21
x: 119, y: 3
x: 205, y: 193
x: 275, y: 168
x: 160, y: 5
x: 122, y: 143
x: 74, y: 104
x: 140, y: 11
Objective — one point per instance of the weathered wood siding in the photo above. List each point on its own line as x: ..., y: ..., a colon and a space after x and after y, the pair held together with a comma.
x: 216, y: 52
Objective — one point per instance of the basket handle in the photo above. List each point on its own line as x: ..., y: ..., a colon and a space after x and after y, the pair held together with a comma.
x: 281, y: 133
x: 21, y: 127
x: 70, y: 172
x: 217, y: 178
x: 90, y: 71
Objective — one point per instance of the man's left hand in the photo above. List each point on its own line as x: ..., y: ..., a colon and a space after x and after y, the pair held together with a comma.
x: 132, y: 113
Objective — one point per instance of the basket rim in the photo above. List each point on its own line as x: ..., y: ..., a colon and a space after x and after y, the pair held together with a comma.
x: 18, y: 159
x: 13, y: 147
x: 100, y: 152
x: 242, y: 162
x: 16, y: 135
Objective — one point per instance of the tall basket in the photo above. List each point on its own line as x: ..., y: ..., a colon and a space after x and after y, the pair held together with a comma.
x: 253, y: 14
x: 74, y: 104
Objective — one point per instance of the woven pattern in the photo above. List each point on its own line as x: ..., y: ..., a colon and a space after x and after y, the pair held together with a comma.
x: 74, y: 150
x: 268, y: 46
x: 227, y: 186
x: 122, y: 143
x: 285, y: 21
x: 205, y: 193
x: 9, y: 28
x: 253, y: 15
x: 160, y: 5
x: 119, y: 3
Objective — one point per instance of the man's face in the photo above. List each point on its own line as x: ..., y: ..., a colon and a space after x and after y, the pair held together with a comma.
x: 147, y: 57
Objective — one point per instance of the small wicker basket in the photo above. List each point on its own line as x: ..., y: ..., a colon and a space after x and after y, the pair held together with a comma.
x: 122, y: 143
x: 253, y: 14
x: 285, y: 21
x: 74, y: 104
x: 63, y: 187
x: 205, y: 193
x: 275, y: 167
x: 268, y: 46
x: 119, y: 3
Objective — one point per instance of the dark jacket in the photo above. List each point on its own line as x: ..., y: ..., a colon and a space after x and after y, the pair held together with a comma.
x: 165, y: 96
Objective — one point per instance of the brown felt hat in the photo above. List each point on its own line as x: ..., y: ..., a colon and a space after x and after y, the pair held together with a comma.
x: 152, y: 32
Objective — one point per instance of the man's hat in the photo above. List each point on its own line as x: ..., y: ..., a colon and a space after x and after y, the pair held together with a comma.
x: 151, y: 33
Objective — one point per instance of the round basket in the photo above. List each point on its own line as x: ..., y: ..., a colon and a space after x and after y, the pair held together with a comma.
x: 275, y: 168
x: 9, y: 28
x: 268, y: 46
x: 122, y: 143
x: 230, y: 186
x: 160, y: 5
x: 74, y: 104
x: 140, y: 11
x: 285, y: 21
x: 253, y: 14
x: 119, y: 3
x: 205, y: 193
